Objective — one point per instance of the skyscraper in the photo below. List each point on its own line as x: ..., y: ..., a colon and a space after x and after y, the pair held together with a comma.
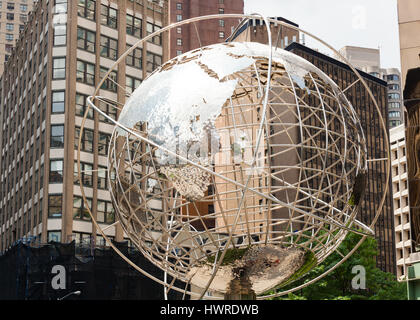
x: 13, y: 16
x: 58, y: 61
x: 344, y: 77
x: 368, y: 60
x: 193, y: 36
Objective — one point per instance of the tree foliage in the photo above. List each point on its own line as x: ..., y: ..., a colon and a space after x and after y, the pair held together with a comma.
x: 337, y: 285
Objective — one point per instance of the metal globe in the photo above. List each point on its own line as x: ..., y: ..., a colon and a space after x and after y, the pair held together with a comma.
x: 237, y: 164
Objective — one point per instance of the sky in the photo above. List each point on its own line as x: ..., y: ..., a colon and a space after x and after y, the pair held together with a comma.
x: 362, y: 23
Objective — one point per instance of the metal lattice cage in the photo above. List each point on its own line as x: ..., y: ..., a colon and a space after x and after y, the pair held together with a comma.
x: 236, y: 161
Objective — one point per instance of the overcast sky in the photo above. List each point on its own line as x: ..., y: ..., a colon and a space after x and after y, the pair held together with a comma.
x: 363, y: 23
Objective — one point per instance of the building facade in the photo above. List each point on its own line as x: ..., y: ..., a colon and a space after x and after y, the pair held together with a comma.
x: 185, y: 38
x: 59, y: 59
x: 13, y: 16
x: 403, y: 242
x: 368, y: 60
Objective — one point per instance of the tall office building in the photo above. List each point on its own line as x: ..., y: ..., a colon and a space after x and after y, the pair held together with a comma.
x: 13, y: 16
x: 368, y: 60
x: 185, y: 38
x: 344, y: 77
x: 59, y: 59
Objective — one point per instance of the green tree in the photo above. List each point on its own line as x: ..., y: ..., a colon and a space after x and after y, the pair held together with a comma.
x: 337, y: 285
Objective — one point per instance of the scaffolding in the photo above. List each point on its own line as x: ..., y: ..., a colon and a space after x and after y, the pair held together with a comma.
x: 96, y: 271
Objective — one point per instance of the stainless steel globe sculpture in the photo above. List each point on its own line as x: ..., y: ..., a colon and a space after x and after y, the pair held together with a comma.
x: 237, y: 164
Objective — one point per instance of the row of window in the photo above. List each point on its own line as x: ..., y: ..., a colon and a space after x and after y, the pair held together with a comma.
x: 104, y: 209
x: 11, y: 6
x: 86, y: 141
x: 394, y: 96
x: 394, y: 114
x: 86, y: 174
x: 108, y: 47
x: 109, y: 17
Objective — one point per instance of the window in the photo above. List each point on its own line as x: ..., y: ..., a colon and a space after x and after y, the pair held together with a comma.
x: 110, y: 82
x: 221, y: 11
x: 134, y: 59
x: 153, y: 61
x: 150, y: 28
x: 179, y: 42
x: 85, y: 72
x: 60, y: 6
x: 10, y: 16
x: 221, y: 35
x: 179, y: 30
x: 394, y: 96
x: 109, y: 47
x: 395, y: 105
x: 134, y: 26
x: 54, y: 236
x: 179, y: 17
x: 57, y: 136
x: 60, y: 35
x: 393, y: 77
x: 394, y: 86
x: 86, y: 39
x: 221, y: 23
x: 59, y: 68
x: 81, y: 106
x: 394, y: 123
x: 9, y: 26
x: 23, y: 7
x: 108, y: 109
x: 103, y: 143
x: 86, y: 9
x: 102, y: 177
x: 178, y: 52
x: 10, y: 6
x: 108, y: 16
x: 58, y: 103
x: 56, y: 171
x: 55, y: 206
x: 85, y: 174
x: 394, y: 114
x: 86, y: 141
x: 105, y: 212
x: 179, y: 6
x: 131, y: 84
x: 80, y: 211
x: 9, y: 37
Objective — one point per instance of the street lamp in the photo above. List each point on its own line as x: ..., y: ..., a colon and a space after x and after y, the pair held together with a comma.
x: 76, y: 293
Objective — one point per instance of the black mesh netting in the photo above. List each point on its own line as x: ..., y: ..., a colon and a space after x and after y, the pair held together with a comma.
x: 99, y: 273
